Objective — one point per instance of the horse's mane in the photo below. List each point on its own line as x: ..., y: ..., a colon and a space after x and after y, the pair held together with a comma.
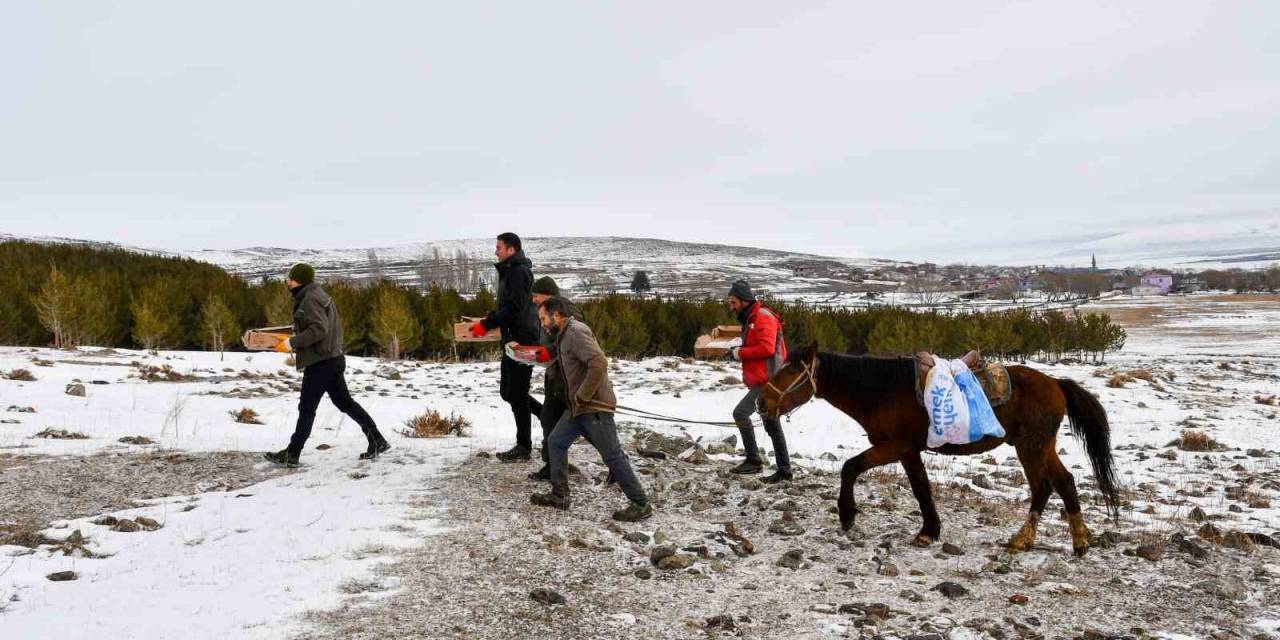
x: 865, y: 375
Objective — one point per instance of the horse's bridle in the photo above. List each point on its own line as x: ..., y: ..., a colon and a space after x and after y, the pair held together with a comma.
x: 809, y: 375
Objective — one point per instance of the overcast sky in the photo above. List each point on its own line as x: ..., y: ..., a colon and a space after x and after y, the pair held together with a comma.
x: 846, y: 128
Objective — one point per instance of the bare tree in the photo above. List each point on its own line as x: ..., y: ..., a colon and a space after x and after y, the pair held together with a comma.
x: 925, y: 292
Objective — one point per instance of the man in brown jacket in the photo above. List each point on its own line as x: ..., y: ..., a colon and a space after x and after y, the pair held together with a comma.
x: 591, y: 405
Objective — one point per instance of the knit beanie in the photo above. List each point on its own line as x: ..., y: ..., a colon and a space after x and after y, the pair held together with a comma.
x: 302, y: 273
x: 546, y: 286
x: 742, y: 291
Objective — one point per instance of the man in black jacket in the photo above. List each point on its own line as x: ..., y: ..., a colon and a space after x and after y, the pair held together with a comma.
x: 517, y: 317
x: 317, y: 347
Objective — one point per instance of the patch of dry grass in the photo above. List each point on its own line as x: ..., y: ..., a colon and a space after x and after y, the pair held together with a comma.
x: 1120, y: 379
x: 20, y: 375
x: 60, y: 434
x: 434, y: 425
x: 162, y: 373
x: 1193, y: 440
x: 1267, y: 400
x: 246, y: 415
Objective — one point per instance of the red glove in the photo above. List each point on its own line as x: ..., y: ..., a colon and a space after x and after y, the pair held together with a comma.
x: 543, y: 354
x: 478, y: 330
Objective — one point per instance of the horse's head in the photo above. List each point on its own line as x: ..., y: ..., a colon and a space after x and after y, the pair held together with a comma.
x: 791, y: 386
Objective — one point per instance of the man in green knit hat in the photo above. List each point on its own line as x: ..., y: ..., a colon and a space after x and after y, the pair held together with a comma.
x: 554, y: 402
x: 317, y: 348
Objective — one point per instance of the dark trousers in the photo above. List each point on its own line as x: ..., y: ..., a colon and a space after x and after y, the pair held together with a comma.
x: 318, y: 379
x: 772, y: 426
x: 604, y: 436
x: 514, y: 389
x: 553, y: 407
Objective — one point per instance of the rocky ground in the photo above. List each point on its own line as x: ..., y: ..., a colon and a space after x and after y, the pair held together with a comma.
x: 36, y: 490
x: 726, y: 556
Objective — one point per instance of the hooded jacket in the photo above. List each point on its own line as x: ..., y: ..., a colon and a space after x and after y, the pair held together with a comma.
x: 317, y: 327
x: 763, y: 348
x: 516, y: 314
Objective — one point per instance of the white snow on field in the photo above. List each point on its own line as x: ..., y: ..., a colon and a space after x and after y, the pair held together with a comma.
x: 250, y: 566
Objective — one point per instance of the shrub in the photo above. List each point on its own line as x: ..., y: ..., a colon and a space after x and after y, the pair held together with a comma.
x: 245, y: 416
x: 1192, y: 440
x: 20, y: 375
x: 433, y: 425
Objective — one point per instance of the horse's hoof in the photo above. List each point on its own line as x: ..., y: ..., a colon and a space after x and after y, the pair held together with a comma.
x: 922, y: 541
x: 1080, y: 551
x: 1019, y: 546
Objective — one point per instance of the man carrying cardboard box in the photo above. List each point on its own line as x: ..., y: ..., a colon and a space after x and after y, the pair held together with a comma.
x: 762, y: 352
x: 517, y: 317
x: 317, y: 348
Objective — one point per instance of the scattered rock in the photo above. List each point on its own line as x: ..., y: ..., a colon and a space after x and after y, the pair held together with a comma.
x: 324, y: 447
x: 1229, y: 587
x: 792, y: 559
x: 138, y: 440
x: 106, y: 521
x: 637, y: 537
x: 546, y: 596
x: 785, y: 527
x: 888, y: 569
x: 147, y: 523
x: 661, y: 551
x: 727, y: 446
x: 723, y: 621
x: 1197, y: 515
x: 75, y: 389
x: 387, y: 372
x: 1237, y: 540
x: 675, y: 562
x: 981, y: 481
x: 951, y: 589
x: 694, y: 455
x: 643, y: 573
x: 1152, y: 552
x: 62, y: 576
x: 951, y: 549
x: 1018, y: 598
x: 126, y: 525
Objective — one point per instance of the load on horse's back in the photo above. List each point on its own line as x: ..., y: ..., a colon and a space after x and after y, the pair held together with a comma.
x: 881, y: 395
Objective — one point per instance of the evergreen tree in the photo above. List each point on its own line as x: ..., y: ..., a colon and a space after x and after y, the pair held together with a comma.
x: 155, y: 325
x: 392, y: 323
x: 640, y: 282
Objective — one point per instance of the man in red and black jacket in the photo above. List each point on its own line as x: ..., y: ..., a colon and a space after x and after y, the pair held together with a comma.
x: 762, y: 352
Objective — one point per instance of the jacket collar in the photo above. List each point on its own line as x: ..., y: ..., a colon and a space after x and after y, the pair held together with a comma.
x: 517, y: 260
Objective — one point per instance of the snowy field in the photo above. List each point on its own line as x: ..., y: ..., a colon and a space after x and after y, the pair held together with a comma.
x: 251, y: 561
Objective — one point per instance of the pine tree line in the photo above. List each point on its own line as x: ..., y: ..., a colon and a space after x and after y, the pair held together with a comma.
x: 69, y: 295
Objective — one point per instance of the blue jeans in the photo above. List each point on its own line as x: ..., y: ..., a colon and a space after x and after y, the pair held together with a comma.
x: 599, y: 427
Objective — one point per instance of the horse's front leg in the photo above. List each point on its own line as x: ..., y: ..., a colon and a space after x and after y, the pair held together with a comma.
x: 874, y: 457
x: 919, y: 477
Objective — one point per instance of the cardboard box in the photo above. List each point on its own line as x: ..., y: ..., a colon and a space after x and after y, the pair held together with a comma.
x: 717, y: 343
x: 462, y: 332
x: 265, y: 339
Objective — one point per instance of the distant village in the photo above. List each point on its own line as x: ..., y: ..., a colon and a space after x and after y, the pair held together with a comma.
x: 1011, y: 283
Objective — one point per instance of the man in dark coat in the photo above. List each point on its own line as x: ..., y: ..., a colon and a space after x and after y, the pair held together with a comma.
x: 317, y: 348
x: 554, y: 400
x: 517, y: 317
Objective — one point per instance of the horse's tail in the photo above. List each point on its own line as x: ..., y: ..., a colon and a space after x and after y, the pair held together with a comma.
x: 1089, y: 423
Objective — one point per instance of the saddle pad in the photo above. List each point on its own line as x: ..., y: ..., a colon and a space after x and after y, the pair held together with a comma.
x: 993, y: 377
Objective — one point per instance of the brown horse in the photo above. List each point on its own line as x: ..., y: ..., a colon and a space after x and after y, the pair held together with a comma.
x: 879, y: 393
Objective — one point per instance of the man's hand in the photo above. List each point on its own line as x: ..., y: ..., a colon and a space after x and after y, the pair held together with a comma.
x: 543, y: 355
x: 283, y: 346
x: 478, y: 330
x: 732, y: 356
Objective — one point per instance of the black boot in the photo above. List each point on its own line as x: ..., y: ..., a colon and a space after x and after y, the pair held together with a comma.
x: 282, y: 457
x: 543, y: 474
x: 375, y: 449
x: 748, y: 467
x: 777, y: 476
x: 634, y: 512
x: 558, y: 497
x: 517, y: 453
